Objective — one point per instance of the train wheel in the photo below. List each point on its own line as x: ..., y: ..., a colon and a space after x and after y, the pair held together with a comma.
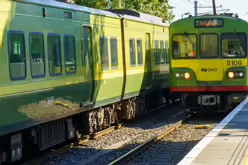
x: 184, y: 101
x: 78, y: 135
x: 164, y: 100
x: 188, y: 112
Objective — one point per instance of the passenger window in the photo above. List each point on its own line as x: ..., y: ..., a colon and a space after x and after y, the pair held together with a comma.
x: 86, y: 46
x: 156, y: 52
x: 132, y: 52
x: 54, y: 54
x: 104, y: 53
x: 209, y: 45
x: 184, y: 46
x: 70, y: 56
x: 140, y: 52
x: 233, y: 45
x: 114, y: 53
x: 147, y: 55
x: 17, y: 58
x: 37, y: 56
x: 167, y: 52
x: 162, y: 52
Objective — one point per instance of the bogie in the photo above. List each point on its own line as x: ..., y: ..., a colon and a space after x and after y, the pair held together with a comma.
x: 71, y: 73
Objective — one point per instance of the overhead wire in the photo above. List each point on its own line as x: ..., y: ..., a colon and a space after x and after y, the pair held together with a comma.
x: 201, y: 4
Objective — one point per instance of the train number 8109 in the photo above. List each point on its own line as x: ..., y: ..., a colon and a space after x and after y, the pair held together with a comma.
x: 234, y: 63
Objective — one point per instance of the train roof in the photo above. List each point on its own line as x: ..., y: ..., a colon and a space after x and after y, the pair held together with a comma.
x: 138, y: 16
x: 224, y: 16
x: 128, y: 14
x: 73, y: 7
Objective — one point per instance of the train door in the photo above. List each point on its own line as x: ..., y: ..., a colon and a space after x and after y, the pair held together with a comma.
x: 88, y: 61
x: 148, y: 58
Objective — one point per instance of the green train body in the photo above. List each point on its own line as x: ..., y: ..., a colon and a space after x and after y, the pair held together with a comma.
x: 61, y: 61
x: 209, y: 62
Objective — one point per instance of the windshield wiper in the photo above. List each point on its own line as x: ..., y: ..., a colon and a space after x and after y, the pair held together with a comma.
x: 187, y: 36
x: 240, y: 42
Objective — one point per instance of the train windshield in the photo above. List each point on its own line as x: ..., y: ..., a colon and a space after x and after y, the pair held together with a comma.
x: 233, y: 45
x: 184, y: 46
x: 209, y: 45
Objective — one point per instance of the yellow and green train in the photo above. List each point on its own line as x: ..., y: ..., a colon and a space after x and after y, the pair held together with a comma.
x: 209, y: 62
x: 68, y: 70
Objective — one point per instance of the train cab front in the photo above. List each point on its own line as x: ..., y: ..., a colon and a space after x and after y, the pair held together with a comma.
x: 209, y: 64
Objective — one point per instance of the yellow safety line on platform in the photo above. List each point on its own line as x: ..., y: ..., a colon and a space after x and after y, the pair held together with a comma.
x: 246, y: 160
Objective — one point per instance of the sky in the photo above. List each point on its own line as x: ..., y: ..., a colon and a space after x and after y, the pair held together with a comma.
x: 185, y: 6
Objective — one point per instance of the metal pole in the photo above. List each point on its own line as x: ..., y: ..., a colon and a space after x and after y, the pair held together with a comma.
x: 119, y: 4
x: 195, y: 7
x: 214, y: 7
x: 108, y: 4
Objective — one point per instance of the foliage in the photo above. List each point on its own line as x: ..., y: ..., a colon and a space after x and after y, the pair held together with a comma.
x: 158, y: 8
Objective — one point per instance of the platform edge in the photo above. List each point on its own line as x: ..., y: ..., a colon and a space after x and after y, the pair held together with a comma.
x: 190, y: 157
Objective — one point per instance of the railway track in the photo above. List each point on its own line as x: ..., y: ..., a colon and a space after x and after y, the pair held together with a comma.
x: 170, y: 146
x: 88, y: 140
x: 134, y: 153
x: 66, y: 148
x: 132, y: 137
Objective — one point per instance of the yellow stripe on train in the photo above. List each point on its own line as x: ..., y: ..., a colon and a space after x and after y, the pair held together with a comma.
x: 209, y: 70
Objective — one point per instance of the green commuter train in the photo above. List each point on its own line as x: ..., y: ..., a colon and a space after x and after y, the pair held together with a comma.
x: 70, y: 70
x: 209, y: 62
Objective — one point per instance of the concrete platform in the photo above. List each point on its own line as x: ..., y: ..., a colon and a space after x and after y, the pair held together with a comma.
x: 226, y: 144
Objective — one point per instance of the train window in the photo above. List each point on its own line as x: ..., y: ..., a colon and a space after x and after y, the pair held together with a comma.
x: 54, y: 54
x: 17, y: 58
x: 167, y: 50
x: 209, y: 45
x: 147, y: 55
x: 162, y: 52
x: 37, y: 56
x: 140, y: 52
x: 184, y: 46
x: 86, y: 46
x: 114, y: 53
x: 233, y: 45
x: 132, y: 52
x: 156, y: 52
x: 104, y: 53
x: 70, y: 54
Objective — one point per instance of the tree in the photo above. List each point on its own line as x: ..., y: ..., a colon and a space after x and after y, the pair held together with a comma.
x: 97, y: 4
x: 158, y: 8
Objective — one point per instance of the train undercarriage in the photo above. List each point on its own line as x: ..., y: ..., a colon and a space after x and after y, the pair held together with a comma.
x: 211, y: 102
x: 16, y: 146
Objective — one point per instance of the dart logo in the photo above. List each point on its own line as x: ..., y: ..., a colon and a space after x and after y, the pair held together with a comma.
x: 209, y: 69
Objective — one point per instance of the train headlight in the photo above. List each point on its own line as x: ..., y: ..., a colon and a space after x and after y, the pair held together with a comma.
x: 230, y: 75
x: 186, y: 75
x: 241, y: 74
x: 177, y: 75
x: 236, y: 75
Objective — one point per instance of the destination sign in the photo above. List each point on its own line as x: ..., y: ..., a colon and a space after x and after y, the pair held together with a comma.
x: 209, y: 23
